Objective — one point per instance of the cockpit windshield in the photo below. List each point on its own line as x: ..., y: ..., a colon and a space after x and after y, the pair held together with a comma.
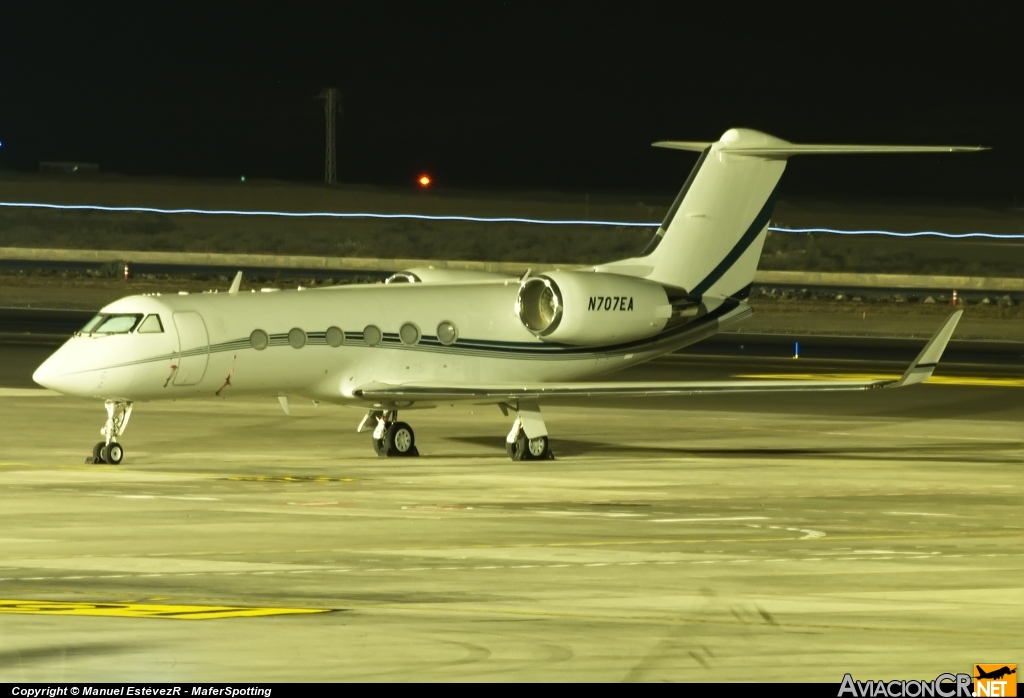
x: 105, y: 323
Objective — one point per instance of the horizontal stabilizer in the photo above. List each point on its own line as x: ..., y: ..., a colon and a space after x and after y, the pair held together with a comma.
x: 695, y: 146
x: 781, y: 149
x: 826, y: 149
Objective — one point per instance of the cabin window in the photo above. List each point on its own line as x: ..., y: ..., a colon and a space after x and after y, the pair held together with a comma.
x: 259, y: 340
x: 151, y: 325
x: 372, y: 335
x: 409, y: 334
x: 106, y: 323
x: 297, y: 338
x: 447, y: 333
x: 335, y: 337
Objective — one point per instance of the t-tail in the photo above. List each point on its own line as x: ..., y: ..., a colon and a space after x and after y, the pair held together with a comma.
x: 710, y: 242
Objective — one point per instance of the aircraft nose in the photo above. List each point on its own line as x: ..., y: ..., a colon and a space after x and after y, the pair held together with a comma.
x: 48, y: 374
x: 61, y: 371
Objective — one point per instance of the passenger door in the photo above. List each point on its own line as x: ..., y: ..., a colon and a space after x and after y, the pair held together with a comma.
x: 193, y: 348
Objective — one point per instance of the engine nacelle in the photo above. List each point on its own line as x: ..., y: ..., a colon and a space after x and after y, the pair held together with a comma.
x: 591, y: 308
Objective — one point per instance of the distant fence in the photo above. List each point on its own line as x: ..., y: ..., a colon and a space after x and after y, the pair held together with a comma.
x: 214, y: 259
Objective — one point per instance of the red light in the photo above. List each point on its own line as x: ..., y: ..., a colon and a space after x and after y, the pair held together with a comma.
x: 424, y: 180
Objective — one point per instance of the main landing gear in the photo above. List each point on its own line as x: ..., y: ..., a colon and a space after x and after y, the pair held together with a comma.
x: 519, y: 446
x: 110, y: 451
x: 391, y: 438
x: 528, y: 439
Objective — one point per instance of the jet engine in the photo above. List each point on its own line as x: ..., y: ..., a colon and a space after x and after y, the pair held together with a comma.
x: 591, y: 308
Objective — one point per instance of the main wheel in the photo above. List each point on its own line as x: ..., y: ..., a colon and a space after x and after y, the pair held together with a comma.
x: 400, y: 440
x: 520, y: 448
x: 539, y: 449
x: 380, y: 446
x: 97, y: 454
x: 528, y: 449
x: 112, y: 453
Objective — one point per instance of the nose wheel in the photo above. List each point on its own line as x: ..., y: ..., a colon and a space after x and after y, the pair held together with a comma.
x: 110, y: 451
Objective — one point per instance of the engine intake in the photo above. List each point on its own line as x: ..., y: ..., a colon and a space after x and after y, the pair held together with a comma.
x: 589, y: 308
x: 539, y: 305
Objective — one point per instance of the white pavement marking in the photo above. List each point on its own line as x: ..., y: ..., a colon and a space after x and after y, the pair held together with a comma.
x: 808, y: 532
x: 892, y: 556
x: 165, y: 496
x: 917, y: 513
x: 711, y: 519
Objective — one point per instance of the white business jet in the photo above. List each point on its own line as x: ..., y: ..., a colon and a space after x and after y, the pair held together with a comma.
x: 442, y: 335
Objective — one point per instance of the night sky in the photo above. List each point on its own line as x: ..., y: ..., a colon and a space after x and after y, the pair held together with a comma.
x: 525, y: 96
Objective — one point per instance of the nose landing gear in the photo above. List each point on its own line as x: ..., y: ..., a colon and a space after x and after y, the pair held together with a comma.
x: 110, y: 451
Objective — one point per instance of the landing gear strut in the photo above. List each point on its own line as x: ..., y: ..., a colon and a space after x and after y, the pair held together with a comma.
x: 528, y: 439
x: 390, y: 437
x: 109, y: 450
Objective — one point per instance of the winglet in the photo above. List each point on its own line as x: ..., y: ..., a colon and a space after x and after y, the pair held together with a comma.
x: 236, y: 284
x: 923, y: 366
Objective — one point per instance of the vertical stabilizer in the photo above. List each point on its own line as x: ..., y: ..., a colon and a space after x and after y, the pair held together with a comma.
x: 710, y: 242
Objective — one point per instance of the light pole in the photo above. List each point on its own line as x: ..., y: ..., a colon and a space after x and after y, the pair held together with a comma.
x: 332, y: 107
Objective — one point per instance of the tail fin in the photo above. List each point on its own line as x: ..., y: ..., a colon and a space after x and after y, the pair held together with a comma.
x: 710, y: 242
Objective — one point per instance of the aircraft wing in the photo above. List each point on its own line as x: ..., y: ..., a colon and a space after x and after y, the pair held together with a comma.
x: 919, y: 371
x: 539, y: 391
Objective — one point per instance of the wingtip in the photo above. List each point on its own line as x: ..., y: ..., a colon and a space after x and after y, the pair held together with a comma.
x: 924, y: 365
x: 236, y: 283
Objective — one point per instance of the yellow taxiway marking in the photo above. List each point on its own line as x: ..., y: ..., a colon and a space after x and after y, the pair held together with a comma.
x: 144, y: 610
x: 938, y: 380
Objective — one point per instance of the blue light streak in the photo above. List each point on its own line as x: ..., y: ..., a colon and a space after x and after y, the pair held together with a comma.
x: 477, y: 219
x: 321, y: 214
x: 889, y: 233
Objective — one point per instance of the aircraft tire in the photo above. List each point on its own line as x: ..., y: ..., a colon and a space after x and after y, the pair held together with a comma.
x: 539, y: 449
x: 401, y: 441
x: 112, y: 453
x: 97, y: 454
x: 520, y: 449
x: 529, y: 449
x: 380, y: 447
